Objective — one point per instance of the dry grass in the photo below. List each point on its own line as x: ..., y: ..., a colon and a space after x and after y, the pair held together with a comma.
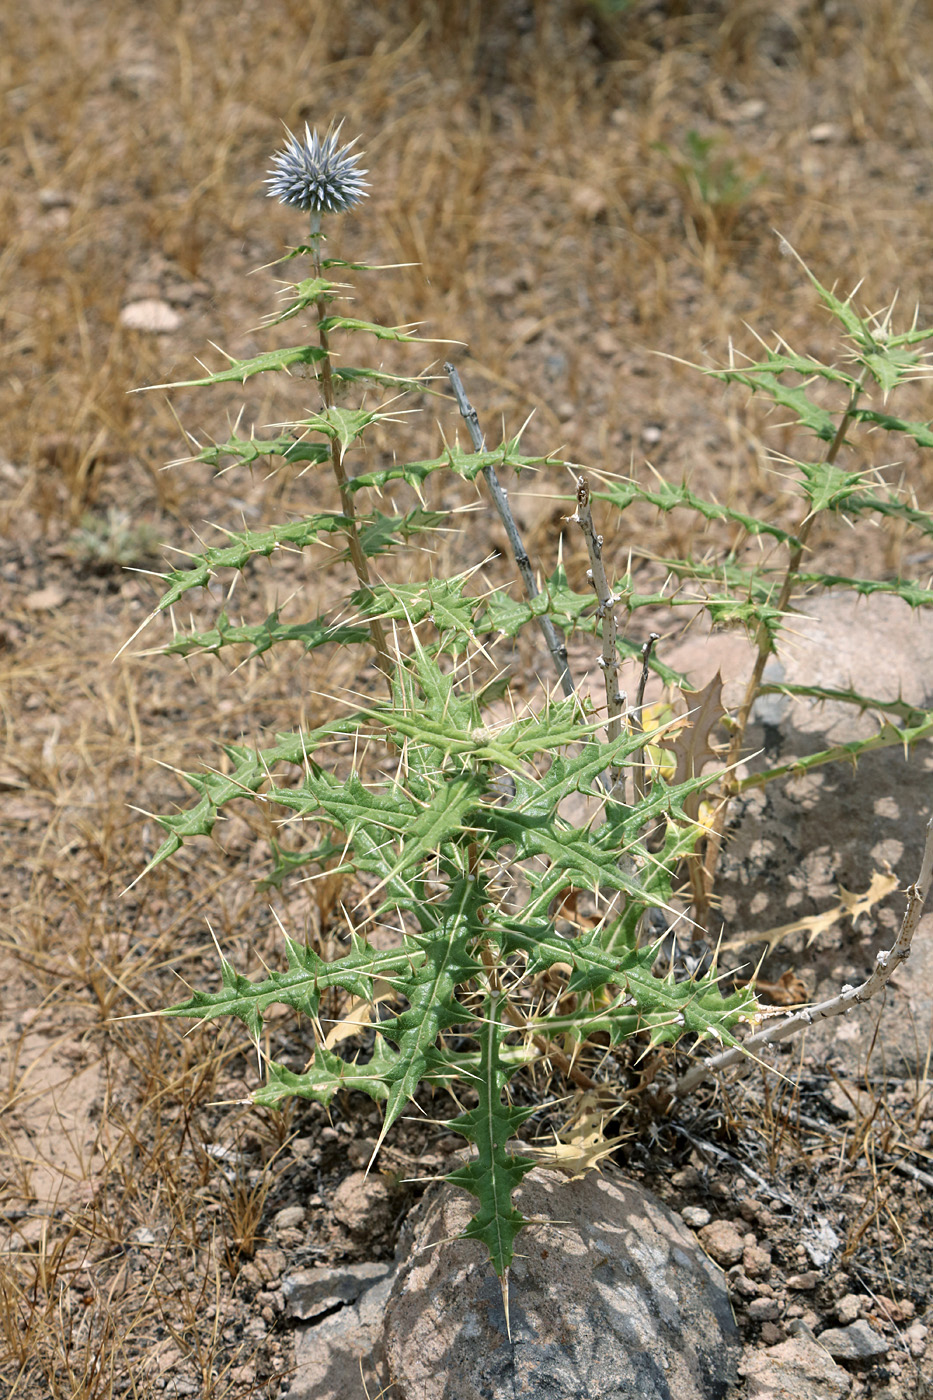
x: 521, y: 157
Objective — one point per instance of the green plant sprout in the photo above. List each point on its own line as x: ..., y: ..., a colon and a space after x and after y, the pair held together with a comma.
x: 108, y: 542
x: 715, y: 185
x: 465, y: 820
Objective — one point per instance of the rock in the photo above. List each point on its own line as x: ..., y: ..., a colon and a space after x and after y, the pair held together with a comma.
x: 885, y: 1309
x: 264, y: 1270
x: 803, y: 1283
x: 820, y: 1241
x: 916, y: 1336
x: 723, y: 1243
x: 798, y: 1369
x: 151, y: 315
x: 612, y: 1299
x: 364, y: 1204
x: 46, y: 599
x: 764, y: 1310
x: 695, y: 1216
x: 289, y: 1219
x: 342, y: 1355
x: 792, y: 844
x: 857, y: 1342
x: 848, y: 1308
x: 588, y: 200
x: 756, y: 1261
x: 311, y: 1293
x: 824, y: 132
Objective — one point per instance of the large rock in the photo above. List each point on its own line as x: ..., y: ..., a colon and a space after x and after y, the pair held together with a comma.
x: 792, y: 844
x: 338, y: 1356
x: 798, y: 1369
x: 609, y: 1297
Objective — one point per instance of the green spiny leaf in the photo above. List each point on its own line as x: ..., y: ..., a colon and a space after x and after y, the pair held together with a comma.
x: 263, y: 635
x: 249, y: 450
x: 495, y: 1173
x: 667, y: 497
x: 239, y: 371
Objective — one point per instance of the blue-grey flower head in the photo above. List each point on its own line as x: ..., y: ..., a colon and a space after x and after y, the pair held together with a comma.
x: 316, y: 175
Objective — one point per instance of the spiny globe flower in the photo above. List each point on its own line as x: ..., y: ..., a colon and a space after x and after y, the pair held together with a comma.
x: 316, y: 175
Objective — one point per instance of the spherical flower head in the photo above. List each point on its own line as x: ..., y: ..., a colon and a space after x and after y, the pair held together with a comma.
x: 316, y: 175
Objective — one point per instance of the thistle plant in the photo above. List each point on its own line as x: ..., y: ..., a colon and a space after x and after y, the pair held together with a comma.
x: 445, y: 805
x: 506, y: 851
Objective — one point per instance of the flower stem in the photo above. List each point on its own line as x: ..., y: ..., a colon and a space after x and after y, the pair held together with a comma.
x: 355, y: 548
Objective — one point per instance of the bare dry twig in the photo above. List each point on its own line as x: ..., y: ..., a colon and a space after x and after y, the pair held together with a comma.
x: 555, y: 643
x: 616, y: 699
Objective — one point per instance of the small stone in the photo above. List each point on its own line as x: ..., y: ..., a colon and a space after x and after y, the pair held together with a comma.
x: 803, y: 1283
x: 916, y: 1336
x: 756, y: 1261
x: 46, y: 599
x: 311, y: 1293
x: 824, y: 132
x: 859, y: 1342
x: 360, y: 1151
x: 51, y: 198
x: 743, y: 1286
x: 588, y: 201
x: 151, y: 315
x: 270, y: 1265
x: 289, y: 1219
x: 695, y: 1216
x: 848, y: 1308
x: 821, y: 1242
x: 764, y: 1310
x: 650, y: 436
x: 887, y: 1310
x: 364, y: 1204
x: 723, y: 1243
x: 771, y: 1334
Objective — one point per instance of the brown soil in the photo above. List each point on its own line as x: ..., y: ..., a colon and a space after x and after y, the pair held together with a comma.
x: 523, y: 162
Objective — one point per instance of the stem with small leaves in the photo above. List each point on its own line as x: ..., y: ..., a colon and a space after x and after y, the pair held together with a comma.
x: 355, y: 548
x: 703, y: 877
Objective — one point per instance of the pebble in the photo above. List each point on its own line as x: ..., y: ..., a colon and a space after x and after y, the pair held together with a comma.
x: 46, y: 599
x: 151, y: 315
x: 756, y: 1261
x: 858, y: 1342
x: 916, y: 1337
x: 289, y: 1219
x: 798, y: 1369
x: 764, y: 1310
x: 823, y: 132
x: 695, y: 1216
x: 723, y: 1243
x: 848, y: 1308
x: 803, y: 1283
